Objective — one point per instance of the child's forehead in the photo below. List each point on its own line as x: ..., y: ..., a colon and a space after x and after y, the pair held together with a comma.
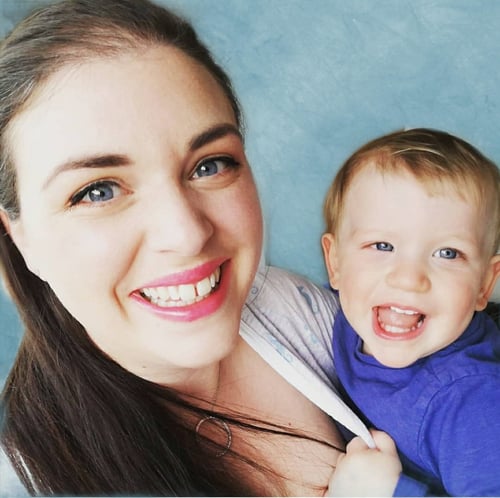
x: 399, y: 204
x: 435, y: 183
x: 435, y: 186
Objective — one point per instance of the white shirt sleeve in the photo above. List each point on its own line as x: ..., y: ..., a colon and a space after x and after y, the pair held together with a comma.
x: 288, y: 321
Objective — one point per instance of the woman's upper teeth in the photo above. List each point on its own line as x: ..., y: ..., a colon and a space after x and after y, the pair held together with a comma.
x: 183, y: 292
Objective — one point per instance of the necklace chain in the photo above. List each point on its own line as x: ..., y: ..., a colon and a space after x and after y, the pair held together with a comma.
x: 211, y: 419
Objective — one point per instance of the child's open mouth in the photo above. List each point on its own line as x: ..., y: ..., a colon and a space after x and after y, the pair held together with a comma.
x: 395, y: 322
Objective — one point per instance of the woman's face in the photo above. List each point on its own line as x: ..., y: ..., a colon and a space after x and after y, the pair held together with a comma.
x: 138, y: 207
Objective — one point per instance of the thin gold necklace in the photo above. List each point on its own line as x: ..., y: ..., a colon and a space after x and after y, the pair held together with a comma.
x: 221, y: 424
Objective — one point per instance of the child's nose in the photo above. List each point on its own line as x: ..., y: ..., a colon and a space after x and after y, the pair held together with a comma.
x: 409, y: 276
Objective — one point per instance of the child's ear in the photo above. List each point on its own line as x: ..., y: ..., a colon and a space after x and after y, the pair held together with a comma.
x: 489, y: 281
x: 331, y: 261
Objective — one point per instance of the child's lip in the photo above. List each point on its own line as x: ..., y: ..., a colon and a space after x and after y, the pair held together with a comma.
x: 398, y: 322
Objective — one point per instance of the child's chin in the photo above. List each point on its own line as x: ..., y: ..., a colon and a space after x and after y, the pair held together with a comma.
x: 394, y: 358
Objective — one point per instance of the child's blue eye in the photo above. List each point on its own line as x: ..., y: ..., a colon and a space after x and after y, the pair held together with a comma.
x: 383, y: 246
x: 214, y: 166
x: 446, y: 253
x: 101, y: 191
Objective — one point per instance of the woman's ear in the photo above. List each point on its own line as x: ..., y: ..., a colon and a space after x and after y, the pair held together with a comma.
x: 330, y: 256
x: 490, y: 278
x: 14, y: 229
x: 6, y: 221
x: 16, y: 232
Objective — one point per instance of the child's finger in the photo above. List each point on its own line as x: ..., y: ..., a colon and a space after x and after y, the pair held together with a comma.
x: 383, y: 441
x: 356, y: 444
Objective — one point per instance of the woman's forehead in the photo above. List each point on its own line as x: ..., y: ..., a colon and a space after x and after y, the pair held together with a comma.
x: 158, y: 68
x: 110, y: 102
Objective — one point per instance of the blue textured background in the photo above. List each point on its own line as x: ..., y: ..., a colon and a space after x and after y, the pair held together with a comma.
x: 317, y: 78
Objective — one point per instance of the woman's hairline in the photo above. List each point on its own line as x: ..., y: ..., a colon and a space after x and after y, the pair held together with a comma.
x: 79, y: 55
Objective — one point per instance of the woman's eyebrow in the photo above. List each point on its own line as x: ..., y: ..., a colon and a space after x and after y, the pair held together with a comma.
x: 98, y: 161
x: 212, y: 134
x: 113, y: 160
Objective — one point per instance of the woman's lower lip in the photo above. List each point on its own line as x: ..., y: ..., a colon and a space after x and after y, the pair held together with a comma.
x: 393, y: 336
x: 196, y: 310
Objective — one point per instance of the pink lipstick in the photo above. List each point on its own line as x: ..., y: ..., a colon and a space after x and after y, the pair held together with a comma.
x: 187, y: 295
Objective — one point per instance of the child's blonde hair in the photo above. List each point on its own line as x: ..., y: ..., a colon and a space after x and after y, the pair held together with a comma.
x: 436, y: 159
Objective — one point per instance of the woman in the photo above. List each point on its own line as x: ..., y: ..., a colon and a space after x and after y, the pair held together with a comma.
x: 131, y: 237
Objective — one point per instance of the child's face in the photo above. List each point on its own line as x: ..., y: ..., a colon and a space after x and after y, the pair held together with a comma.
x: 410, y: 268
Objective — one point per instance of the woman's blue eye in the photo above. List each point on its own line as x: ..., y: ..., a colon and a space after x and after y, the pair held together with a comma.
x: 96, y: 192
x: 446, y: 253
x: 213, y: 166
x: 383, y: 246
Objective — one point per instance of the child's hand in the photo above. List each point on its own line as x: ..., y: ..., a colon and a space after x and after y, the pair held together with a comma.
x: 367, y: 472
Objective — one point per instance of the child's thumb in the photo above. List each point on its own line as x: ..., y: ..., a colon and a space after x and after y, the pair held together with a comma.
x: 383, y: 441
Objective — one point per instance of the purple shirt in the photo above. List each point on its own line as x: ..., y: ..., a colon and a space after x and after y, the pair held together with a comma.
x: 443, y: 411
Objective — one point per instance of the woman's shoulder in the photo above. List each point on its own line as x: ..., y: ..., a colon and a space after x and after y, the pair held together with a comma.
x: 294, y: 315
x: 280, y: 287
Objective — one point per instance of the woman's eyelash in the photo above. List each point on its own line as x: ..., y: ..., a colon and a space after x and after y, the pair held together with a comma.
x: 228, y: 160
x: 202, y: 169
x: 97, y: 189
x: 104, y: 191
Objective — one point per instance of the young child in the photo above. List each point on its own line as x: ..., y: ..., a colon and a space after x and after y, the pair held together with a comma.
x: 413, y: 229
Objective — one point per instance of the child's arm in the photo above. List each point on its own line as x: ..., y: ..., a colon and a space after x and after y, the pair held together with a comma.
x: 363, y: 471
x: 461, y: 437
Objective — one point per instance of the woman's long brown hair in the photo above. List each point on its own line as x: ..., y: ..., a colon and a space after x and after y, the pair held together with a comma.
x: 74, y: 422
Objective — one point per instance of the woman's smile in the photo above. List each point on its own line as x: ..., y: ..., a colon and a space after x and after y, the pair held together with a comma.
x: 199, y: 293
x: 181, y: 295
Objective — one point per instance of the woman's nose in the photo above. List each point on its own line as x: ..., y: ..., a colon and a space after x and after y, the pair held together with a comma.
x: 409, y: 276
x: 177, y: 221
